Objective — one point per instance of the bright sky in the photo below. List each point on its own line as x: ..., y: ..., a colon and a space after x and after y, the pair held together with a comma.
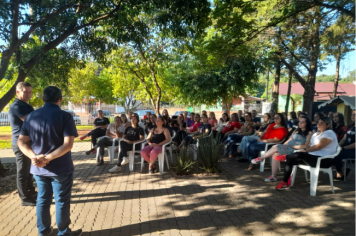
x: 346, y: 65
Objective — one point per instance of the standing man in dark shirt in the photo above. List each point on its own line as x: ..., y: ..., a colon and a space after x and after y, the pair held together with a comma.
x: 18, y: 111
x: 100, y: 124
x: 52, y: 132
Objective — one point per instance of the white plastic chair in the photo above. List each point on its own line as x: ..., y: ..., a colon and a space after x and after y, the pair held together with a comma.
x: 345, y: 161
x: 161, y: 156
x: 314, y: 173
x: 262, y: 163
x: 131, y: 154
x: 169, y: 148
x: 111, y: 149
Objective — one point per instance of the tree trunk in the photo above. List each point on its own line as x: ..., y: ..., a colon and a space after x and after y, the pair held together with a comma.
x: 275, y: 88
x: 309, y: 89
x: 228, y: 104
x: 336, y: 82
x: 288, y: 92
x: 293, y: 103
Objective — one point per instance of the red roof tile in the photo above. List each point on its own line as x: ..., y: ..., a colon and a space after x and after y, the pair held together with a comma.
x: 322, y: 89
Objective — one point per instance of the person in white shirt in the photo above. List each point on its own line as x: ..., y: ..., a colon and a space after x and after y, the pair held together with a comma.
x: 114, y: 130
x: 323, y: 143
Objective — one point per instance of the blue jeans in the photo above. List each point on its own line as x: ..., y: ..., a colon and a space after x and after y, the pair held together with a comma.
x: 245, y: 143
x: 61, y: 187
x: 231, y: 140
x: 254, y: 148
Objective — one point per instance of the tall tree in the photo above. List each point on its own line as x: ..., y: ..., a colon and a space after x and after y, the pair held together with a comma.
x: 80, y: 26
x: 338, y: 40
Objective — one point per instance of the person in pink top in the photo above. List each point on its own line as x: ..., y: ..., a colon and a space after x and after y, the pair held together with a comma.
x: 194, y: 128
x: 213, y: 121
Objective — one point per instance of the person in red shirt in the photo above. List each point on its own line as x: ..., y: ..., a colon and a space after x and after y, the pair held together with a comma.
x: 275, y: 133
x: 231, y: 128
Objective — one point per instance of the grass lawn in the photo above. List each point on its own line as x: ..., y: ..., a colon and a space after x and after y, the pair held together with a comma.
x: 6, y: 130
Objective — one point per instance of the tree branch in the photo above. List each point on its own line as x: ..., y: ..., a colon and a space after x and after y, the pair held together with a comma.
x: 294, y: 72
x: 292, y: 53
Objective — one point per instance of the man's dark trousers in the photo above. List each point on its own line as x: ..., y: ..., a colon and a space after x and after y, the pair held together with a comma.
x: 24, y: 177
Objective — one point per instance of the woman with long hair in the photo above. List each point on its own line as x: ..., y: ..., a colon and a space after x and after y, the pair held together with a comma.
x: 132, y: 134
x: 275, y: 133
x: 242, y: 149
x: 322, y: 143
x: 317, y: 117
x: 156, y: 138
x: 299, y: 139
x: 246, y: 130
x: 125, y: 120
x: 152, y: 124
x: 166, y: 116
x: 339, y: 125
x: 213, y: 121
x: 347, y: 145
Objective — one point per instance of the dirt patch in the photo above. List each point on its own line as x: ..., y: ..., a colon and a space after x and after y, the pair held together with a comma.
x: 8, y: 183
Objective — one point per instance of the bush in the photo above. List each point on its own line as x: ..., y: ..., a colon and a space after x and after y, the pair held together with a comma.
x: 209, y: 154
x: 183, y: 163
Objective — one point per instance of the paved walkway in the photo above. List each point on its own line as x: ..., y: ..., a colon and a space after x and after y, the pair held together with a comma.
x: 236, y: 203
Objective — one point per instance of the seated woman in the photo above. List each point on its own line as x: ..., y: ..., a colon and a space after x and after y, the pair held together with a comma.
x: 190, y: 121
x: 152, y: 124
x: 213, y: 121
x: 317, y: 117
x: 222, y: 122
x: 242, y: 149
x: 100, y: 125
x: 231, y: 127
x: 203, y: 130
x: 347, y: 145
x: 147, y: 119
x: 114, y: 130
x: 322, y: 143
x: 275, y: 133
x: 185, y: 115
x: 298, y: 140
x: 132, y: 134
x: 339, y: 125
x: 166, y: 116
x: 125, y: 120
x: 293, y: 121
x: 246, y: 130
x: 156, y: 138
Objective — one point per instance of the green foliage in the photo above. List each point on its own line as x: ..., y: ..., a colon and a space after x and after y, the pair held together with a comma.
x: 208, y: 87
x: 209, y: 154
x: 183, y: 163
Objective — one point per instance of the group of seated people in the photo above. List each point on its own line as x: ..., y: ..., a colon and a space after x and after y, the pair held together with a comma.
x: 312, y: 139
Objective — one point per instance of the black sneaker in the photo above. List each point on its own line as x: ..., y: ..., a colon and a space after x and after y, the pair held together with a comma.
x: 29, y: 202
x: 89, y: 152
x: 76, y: 233
x: 50, y: 232
x: 100, y: 163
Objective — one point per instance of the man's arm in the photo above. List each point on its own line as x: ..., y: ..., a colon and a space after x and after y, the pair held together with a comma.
x: 24, y: 144
x: 66, y: 147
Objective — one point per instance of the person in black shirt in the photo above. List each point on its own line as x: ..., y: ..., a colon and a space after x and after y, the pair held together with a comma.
x: 180, y: 130
x: 203, y: 130
x: 18, y: 111
x: 132, y: 134
x: 347, y: 145
x: 155, y: 139
x: 100, y: 124
x: 152, y: 124
x: 241, y: 117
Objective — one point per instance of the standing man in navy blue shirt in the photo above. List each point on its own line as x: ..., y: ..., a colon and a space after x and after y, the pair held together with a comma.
x: 18, y: 111
x: 47, y: 136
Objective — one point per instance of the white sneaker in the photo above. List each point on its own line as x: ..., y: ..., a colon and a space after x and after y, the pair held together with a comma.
x: 115, y: 169
x: 125, y: 160
x: 271, y: 179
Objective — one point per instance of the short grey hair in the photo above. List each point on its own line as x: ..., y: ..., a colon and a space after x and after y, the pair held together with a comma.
x: 21, y: 85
